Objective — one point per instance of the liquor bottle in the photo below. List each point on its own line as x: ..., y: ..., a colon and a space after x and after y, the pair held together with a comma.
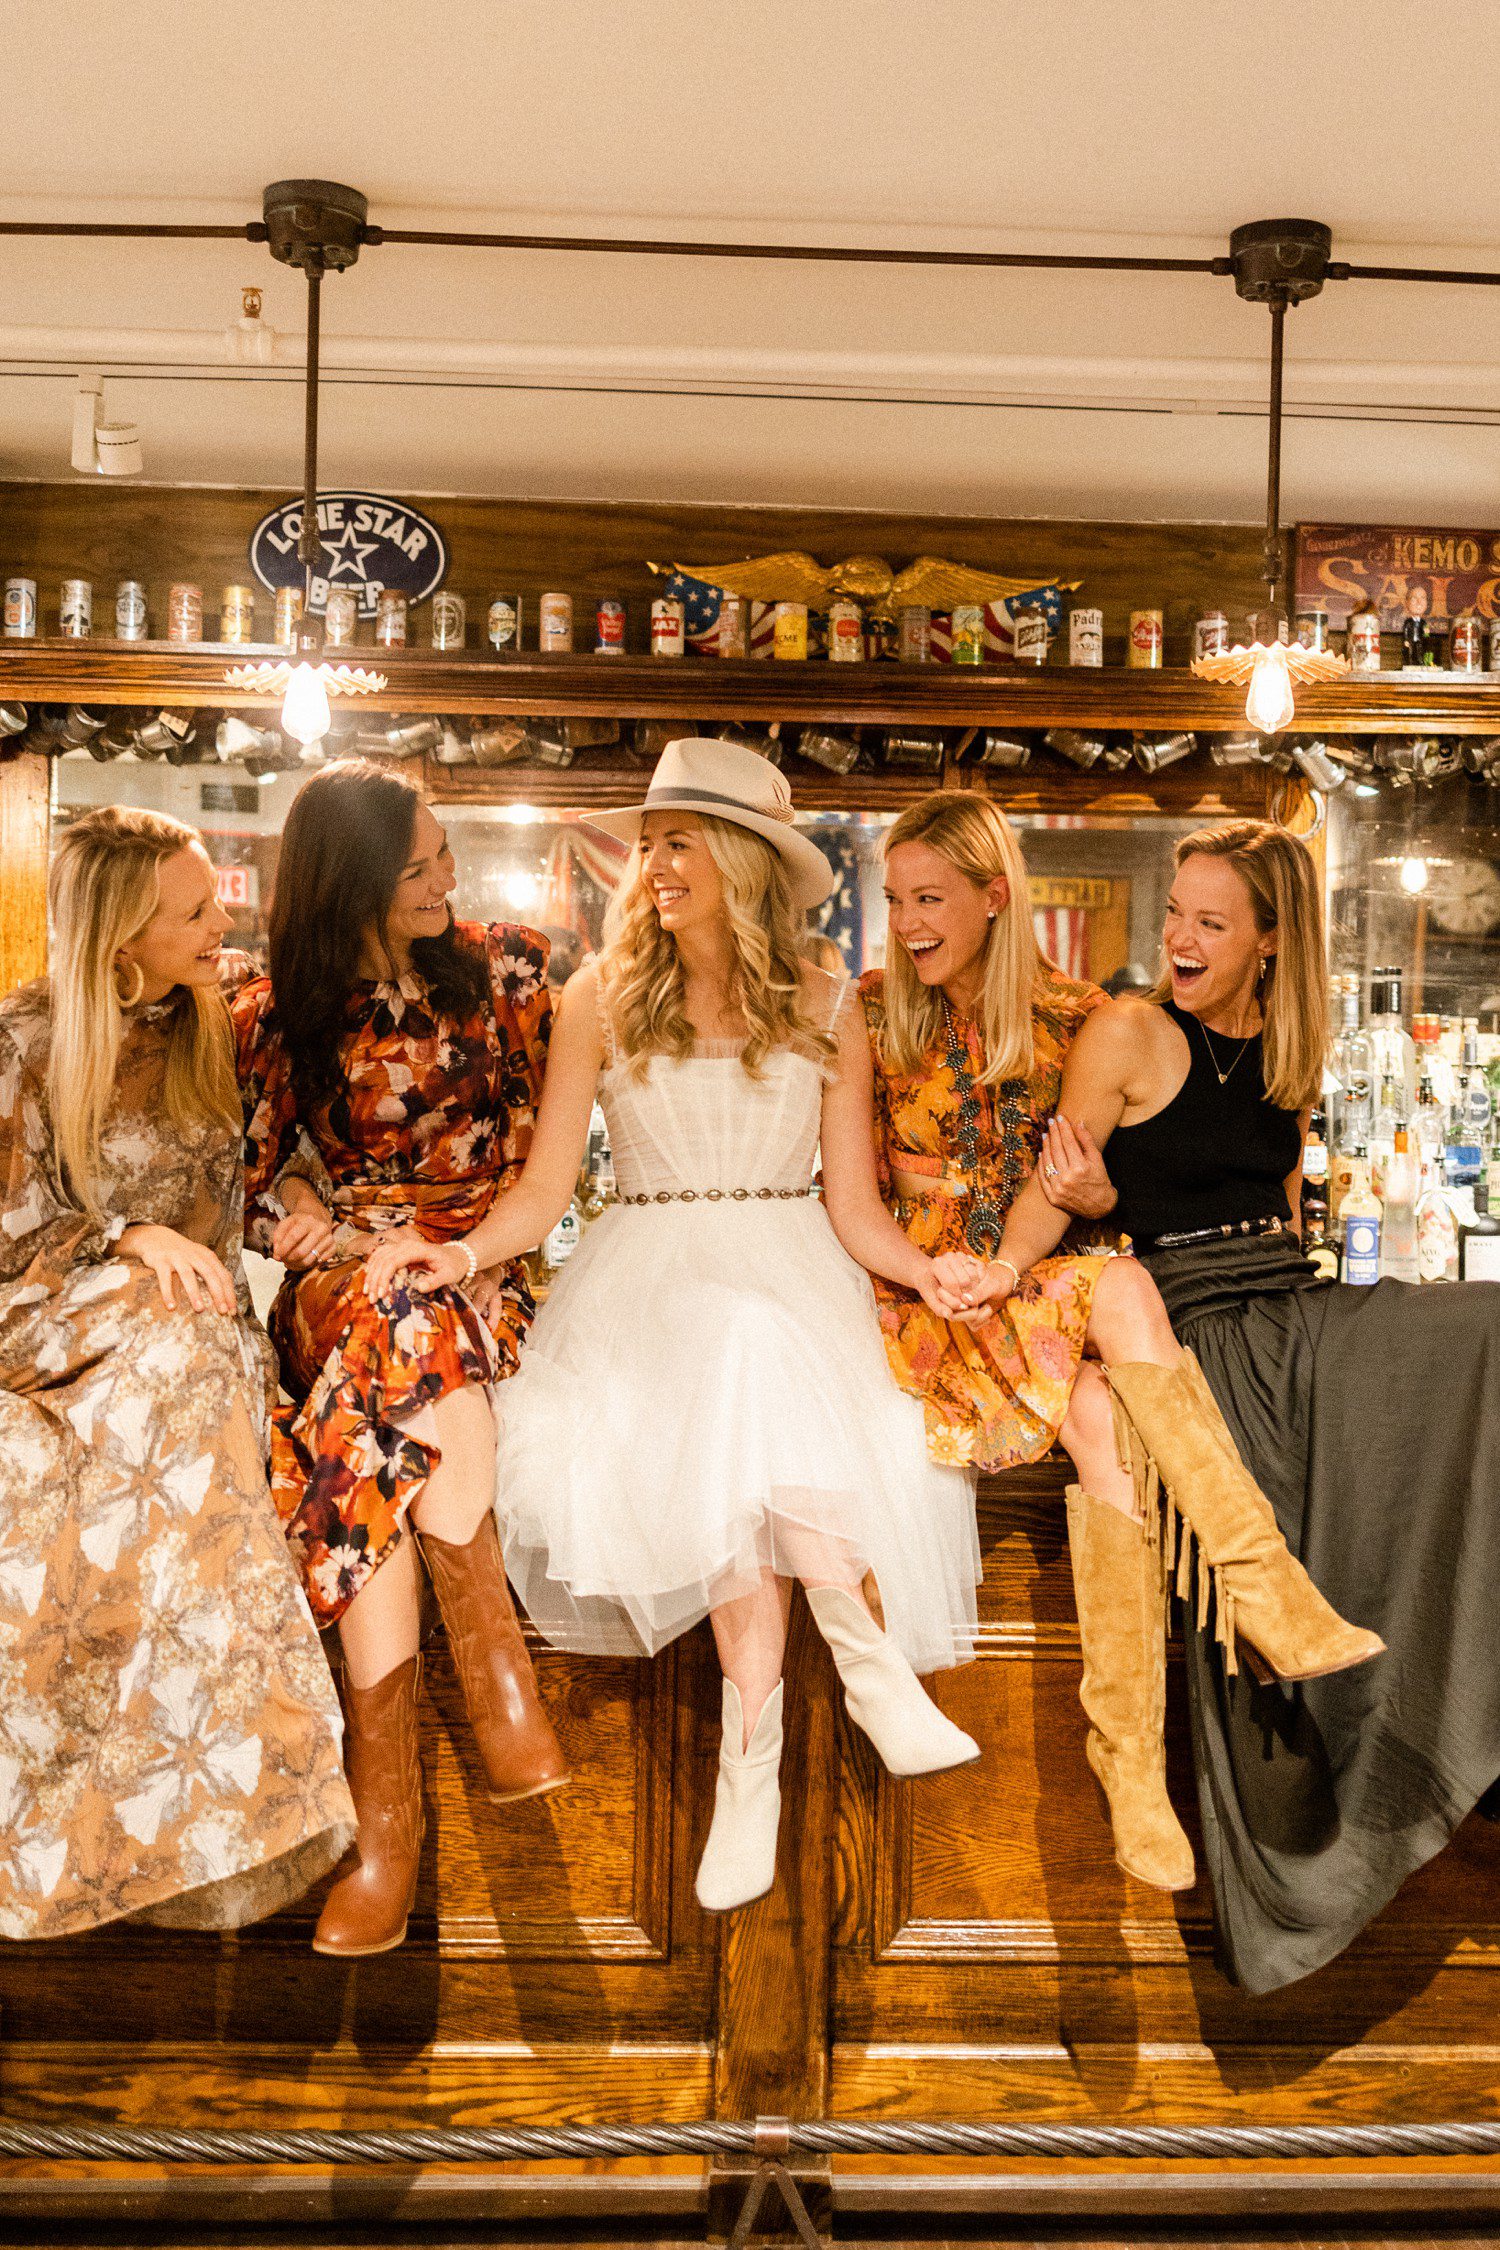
x: 1468, y: 1117
x: 1430, y: 1121
x: 1361, y: 1228
x: 1387, y: 1124
x: 1352, y: 1064
x: 1479, y: 1243
x: 564, y: 1238
x: 1391, y: 1045
x: 1437, y: 1229
x: 1398, y: 1222
x: 1318, y: 1244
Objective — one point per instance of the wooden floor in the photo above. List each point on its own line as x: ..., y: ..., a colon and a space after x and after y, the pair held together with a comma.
x: 959, y: 1947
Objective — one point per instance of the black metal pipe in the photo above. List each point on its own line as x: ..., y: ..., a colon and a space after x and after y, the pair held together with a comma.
x: 1272, y: 556
x: 308, y: 544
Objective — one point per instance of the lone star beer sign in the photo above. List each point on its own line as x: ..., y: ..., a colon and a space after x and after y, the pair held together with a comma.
x: 367, y: 543
x: 1340, y: 566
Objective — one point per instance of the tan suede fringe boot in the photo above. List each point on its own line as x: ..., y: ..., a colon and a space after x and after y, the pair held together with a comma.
x: 1122, y: 1622
x: 1168, y: 1426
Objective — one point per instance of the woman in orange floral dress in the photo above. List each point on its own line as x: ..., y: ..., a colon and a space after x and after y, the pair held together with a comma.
x: 969, y: 1028
x: 406, y: 1050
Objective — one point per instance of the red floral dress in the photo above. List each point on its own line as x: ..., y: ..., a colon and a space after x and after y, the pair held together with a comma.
x: 994, y: 1396
x: 434, y: 1120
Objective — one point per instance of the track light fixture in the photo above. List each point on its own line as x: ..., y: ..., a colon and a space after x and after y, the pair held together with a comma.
x: 14, y: 718
x: 1154, y: 751
x: 106, y: 449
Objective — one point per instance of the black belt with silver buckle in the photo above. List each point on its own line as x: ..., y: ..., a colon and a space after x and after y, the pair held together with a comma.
x: 1231, y: 1233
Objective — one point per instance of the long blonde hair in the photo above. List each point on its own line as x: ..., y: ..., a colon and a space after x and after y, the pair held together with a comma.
x: 103, y: 891
x: 1279, y: 874
x: 641, y: 967
x: 976, y: 838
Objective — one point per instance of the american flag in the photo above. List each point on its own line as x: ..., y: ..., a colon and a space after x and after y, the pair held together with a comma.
x: 1000, y: 618
x: 700, y: 611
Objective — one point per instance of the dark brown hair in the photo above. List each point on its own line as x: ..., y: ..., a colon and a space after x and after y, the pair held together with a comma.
x: 346, y: 840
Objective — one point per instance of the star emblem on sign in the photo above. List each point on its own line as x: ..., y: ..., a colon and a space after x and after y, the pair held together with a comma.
x: 339, y: 545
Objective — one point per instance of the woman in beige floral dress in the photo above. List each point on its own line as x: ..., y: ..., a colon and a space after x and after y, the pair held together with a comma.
x: 169, y: 1733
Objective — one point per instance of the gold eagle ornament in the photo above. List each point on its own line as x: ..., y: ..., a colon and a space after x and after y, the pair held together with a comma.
x: 796, y: 577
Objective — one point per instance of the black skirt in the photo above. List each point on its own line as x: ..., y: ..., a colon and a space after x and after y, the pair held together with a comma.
x: 1371, y: 1420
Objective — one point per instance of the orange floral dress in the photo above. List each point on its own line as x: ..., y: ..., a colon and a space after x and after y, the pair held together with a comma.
x: 433, y: 1121
x: 994, y: 1396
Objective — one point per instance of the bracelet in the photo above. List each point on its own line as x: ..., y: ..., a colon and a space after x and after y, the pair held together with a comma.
x: 473, y: 1264
x: 1014, y: 1268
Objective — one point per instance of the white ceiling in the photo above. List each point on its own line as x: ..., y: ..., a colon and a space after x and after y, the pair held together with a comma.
x: 1102, y: 127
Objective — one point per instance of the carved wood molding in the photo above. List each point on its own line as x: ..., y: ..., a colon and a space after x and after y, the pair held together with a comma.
x: 165, y: 672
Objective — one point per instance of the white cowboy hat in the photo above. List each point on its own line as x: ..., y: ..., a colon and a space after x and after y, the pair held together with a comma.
x: 727, y: 781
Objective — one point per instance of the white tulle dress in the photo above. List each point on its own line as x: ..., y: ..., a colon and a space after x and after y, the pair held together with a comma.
x: 705, y: 1391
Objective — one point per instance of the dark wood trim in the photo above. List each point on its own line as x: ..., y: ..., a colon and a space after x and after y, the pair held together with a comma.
x: 881, y: 694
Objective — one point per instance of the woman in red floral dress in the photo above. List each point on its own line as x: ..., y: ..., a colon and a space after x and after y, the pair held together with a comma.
x: 404, y: 1050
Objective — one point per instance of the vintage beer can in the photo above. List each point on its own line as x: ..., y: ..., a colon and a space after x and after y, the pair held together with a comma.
x: 668, y: 628
x: 914, y: 634
x: 846, y: 633
x: 75, y: 609
x: 734, y: 625
x: 237, y: 613
x: 1086, y: 636
x: 791, y: 629
x: 390, y: 618
x: 968, y: 633
x: 288, y: 614
x: 1494, y: 644
x: 130, y: 610
x: 609, y: 628
x: 1146, y: 636
x: 448, y: 619
x: 20, y: 609
x: 1364, y: 640
x: 340, y: 617
x: 185, y: 613
x: 503, y: 623
x: 1031, y: 639
x: 1211, y: 635
x: 554, y: 614
x: 1312, y: 628
x: 1465, y: 643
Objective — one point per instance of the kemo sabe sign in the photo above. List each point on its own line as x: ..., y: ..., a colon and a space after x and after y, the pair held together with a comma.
x: 1342, y: 566
x: 367, y: 542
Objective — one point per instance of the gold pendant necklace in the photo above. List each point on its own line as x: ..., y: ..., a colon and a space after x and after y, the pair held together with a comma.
x: 1221, y: 1075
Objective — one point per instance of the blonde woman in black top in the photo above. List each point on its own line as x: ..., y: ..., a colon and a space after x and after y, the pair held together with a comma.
x: 1370, y: 1417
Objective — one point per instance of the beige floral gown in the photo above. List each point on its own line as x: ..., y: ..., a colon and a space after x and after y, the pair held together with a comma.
x: 169, y: 1733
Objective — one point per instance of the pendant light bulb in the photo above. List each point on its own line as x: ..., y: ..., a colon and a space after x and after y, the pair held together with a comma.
x: 305, y: 715
x: 1269, y: 705
x: 1414, y: 872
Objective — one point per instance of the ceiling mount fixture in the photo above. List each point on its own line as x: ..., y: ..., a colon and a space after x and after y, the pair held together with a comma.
x: 1278, y: 263
x: 317, y: 226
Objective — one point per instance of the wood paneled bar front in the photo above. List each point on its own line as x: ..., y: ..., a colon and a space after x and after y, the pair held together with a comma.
x: 963, y: 1946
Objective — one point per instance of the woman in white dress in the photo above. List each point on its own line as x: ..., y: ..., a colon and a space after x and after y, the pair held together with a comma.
x: 704, y: 1412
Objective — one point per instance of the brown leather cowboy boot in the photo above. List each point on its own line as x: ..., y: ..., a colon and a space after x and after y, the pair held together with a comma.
x: 520, y: 1753
x: 1122, y: 1624
x: 366, y: 1910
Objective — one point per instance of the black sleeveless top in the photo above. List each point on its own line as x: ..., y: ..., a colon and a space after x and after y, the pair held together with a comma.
x: 1215, y: 1155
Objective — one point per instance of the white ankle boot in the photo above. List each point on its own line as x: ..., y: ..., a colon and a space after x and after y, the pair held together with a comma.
x: 739, y: 1859
x: 883, y: 1693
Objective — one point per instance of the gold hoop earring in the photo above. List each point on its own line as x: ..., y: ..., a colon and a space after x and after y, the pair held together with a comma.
x: 133, y: 998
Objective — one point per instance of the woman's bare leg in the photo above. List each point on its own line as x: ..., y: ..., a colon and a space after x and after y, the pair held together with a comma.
x: 461, y: 1490
x: 1088, y: 1434
x: 750, y: 1635
x: 381, y: 1628
x: 1129, y: 1320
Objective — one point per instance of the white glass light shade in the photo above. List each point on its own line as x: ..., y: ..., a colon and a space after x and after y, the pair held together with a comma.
x: 305, y: 714
x: 1269, y: 705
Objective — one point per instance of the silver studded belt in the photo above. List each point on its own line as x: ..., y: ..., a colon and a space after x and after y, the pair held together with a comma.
x: 722, y: 1195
